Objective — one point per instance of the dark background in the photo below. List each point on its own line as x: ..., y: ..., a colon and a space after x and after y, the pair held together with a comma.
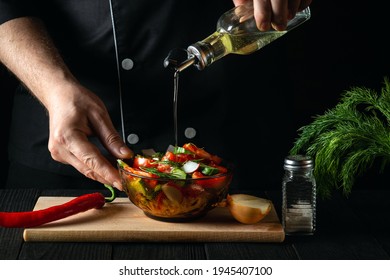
x: 343, y: 45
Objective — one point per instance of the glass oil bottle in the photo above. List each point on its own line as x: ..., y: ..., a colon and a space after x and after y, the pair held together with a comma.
x: 236, y: 33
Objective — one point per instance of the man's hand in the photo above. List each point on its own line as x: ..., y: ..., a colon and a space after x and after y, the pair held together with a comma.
x: 275, y: 13
x: 75, y: 114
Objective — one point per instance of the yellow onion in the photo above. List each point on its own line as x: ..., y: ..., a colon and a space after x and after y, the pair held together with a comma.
x: 247, y: 209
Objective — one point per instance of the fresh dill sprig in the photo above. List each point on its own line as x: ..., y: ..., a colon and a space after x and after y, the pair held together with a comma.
x: 347, y: 140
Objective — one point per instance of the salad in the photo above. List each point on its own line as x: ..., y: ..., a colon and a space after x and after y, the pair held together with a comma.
x: 184, y: 181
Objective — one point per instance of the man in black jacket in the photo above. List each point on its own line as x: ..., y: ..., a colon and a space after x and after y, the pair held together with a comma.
x: 93, y: 87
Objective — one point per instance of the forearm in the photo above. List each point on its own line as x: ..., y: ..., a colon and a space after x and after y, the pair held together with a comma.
x: 27, y: 51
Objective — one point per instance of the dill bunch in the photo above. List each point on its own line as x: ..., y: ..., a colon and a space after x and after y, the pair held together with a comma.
x: 348, y: 139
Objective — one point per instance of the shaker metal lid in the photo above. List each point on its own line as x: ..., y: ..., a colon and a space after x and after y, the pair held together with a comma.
x: 298, y: 161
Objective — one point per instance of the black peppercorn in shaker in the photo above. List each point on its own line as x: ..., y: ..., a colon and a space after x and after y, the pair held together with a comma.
x: 299, y: 196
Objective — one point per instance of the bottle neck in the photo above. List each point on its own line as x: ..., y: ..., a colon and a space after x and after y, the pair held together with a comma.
x: 208, y: 50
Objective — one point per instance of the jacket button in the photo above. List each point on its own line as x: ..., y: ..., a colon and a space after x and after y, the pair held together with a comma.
x: 190, y: 132
x: 127, y: 64
x: 132, y: 138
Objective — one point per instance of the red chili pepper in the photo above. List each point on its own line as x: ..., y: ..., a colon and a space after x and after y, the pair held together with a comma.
x: 40, y: 217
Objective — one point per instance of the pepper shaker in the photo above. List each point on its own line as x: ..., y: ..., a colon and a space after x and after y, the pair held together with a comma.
x: 299, y: 196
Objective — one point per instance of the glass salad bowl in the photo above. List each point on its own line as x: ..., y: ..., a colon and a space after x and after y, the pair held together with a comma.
x: 181, y: 184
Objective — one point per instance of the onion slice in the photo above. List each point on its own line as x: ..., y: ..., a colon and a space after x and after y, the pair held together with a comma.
x: 172, y: 193
x: 148, y: 152
x: 190, y: 166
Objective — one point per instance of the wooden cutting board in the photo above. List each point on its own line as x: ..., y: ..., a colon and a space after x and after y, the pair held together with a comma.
x: 121, y: 221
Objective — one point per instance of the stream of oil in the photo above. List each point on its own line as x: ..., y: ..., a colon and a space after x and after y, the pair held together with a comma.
x: 175, y: 97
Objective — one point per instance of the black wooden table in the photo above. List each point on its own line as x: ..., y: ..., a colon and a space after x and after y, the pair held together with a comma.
x: 353, y: 228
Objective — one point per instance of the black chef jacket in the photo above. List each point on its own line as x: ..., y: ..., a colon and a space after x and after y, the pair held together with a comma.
x: 237, y: 108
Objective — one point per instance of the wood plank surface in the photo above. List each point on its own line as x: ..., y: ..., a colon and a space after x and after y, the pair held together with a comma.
x: 121, y: 221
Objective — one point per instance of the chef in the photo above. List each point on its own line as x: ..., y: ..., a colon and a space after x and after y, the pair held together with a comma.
x: 93, y: 88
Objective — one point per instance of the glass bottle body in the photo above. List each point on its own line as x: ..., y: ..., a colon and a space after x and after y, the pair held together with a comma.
x: 299, y: 196
x: 237, y: 33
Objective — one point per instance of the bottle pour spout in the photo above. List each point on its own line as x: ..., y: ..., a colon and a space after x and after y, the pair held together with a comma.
x: 179, y: 59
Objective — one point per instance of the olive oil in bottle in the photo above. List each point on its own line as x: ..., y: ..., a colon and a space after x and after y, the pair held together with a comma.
x: 236, y: 33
